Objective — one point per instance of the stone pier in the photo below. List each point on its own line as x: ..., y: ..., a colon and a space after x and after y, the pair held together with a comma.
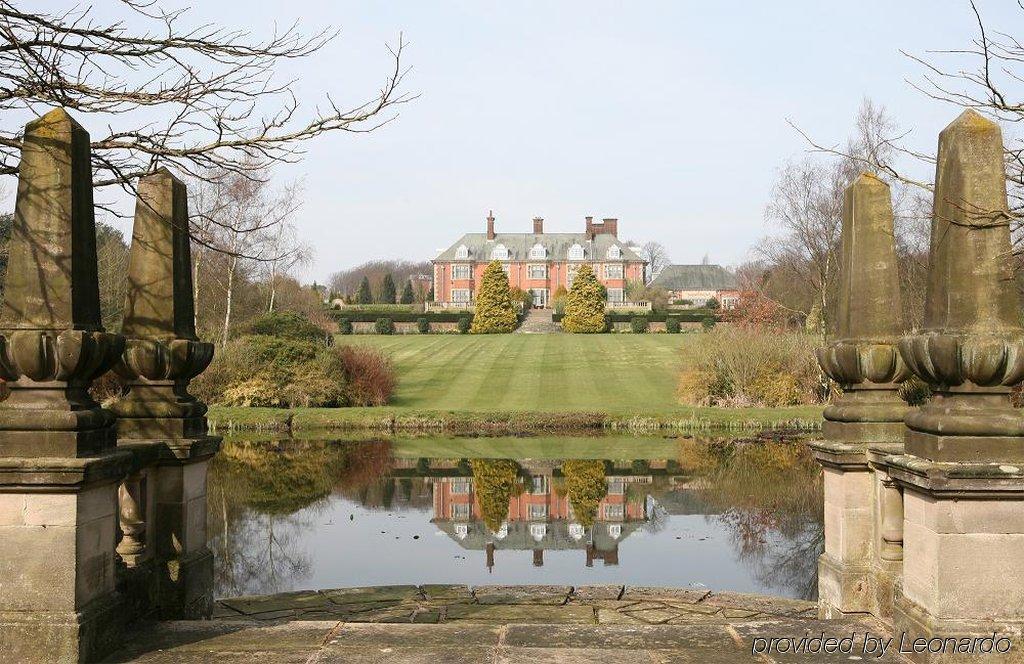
x: 60, y: 467
x: 861, y: 560
x: 102, y: 512
x: 927, y: 533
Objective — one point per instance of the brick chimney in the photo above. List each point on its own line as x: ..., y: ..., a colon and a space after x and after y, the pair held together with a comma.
x: 538, y: 225
x: 605, y: 226
x: 490, y: 225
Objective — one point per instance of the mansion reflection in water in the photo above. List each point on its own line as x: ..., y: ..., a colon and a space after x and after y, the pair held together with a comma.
x: 540, y: 519
x: 280, y: 509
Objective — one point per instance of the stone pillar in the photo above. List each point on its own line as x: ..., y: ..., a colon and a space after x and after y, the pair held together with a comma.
x: 59, y: 464
x: 161, y: 355
x: 962, y: 474
x: 864, y: 360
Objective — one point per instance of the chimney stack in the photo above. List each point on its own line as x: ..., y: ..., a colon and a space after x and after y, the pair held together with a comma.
x: 538, y: 557
x: 490, y: 225
x: 608, y: 226
x: 538, y: 225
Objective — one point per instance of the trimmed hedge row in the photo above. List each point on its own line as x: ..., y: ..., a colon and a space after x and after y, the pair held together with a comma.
x: 401, y: 317
x: 683, y: 317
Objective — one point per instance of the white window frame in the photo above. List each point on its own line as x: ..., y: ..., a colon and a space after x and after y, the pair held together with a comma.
x: 460, y: 510
x: 541, y: 297
x: 539, y: 485
x: 538, y: 251
x: 538, y: 531
x: 531, y: 269
x: 616, y: 295
x: 502, y: 532
x: 538, y: 511
x: 570, y: 274
x: 616, y: 487
x: 576, y: 252
x: 506, y: 268
x: 614, y: 251
x: 499, y: 253
x: 614, y: 271
x: 615, y: 530
x: 461, y: 487
x: 462, y: 271
x: 461, y: 530
x: 614, y: 511
x: 576, y: 531
x: 462, y: 252
x: 462, y: 295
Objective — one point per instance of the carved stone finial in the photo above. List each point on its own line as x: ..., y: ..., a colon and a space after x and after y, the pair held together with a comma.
x: 52, y: 344
x: 162, y: 353
x: 864, y: 358
x: 971, y: 350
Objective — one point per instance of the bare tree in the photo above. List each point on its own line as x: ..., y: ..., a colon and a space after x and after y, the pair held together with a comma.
x: 197, y: 98
x: 657, y: 259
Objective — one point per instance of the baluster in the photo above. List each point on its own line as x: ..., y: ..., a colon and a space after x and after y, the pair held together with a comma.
x: 132, y: 510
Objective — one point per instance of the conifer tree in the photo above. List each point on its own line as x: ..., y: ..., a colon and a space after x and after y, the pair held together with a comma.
x: 363, y: 294
x: 387, y: 290
x: 407, y: 294
x: 584, y: 306
x: 495, y: 311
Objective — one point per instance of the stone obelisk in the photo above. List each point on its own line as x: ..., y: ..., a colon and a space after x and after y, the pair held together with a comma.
x: 161, y: 355
x: 59, y: 465
x: 854, y: 575
x: 961, y: 476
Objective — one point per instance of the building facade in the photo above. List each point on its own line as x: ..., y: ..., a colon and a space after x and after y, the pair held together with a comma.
x: 537, y: 262
x: 695, y: 285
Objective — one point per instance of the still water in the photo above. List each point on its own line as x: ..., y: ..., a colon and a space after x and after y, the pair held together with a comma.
x: 673, y: 511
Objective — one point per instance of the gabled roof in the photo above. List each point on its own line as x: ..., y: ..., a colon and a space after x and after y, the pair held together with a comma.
x: 695, y: 277
x: 519, y: 245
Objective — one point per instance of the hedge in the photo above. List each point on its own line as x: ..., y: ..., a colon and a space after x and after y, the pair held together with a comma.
x: 400, y: 317
x: 696, y: 316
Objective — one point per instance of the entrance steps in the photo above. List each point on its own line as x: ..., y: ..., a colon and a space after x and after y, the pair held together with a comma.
x: 538, y: 321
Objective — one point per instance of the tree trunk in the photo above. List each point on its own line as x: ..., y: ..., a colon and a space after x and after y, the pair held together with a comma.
x: 227, y: 308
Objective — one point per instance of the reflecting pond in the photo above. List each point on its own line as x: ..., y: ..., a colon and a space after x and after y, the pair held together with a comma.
x: 672, y: 511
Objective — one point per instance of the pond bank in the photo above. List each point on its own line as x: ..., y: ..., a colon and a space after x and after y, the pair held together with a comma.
x: 396, y: 419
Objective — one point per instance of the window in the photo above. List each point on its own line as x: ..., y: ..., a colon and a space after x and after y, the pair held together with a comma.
x: 537, y: 271
x: 538, y: 511
x: 506, y: 268
x: 613, y: 511
x: 540, y: 297
x: 499, y: 253
x: 615, y: 530
x: 615, y: 295
x: 462, y: 252
x: 576, y: 531
x: 576, y: 252
x: 614, y: 251
x: 616, y: 487
x: 461, y: 271
x: 540, y: 484
x: 538, y: 251
x: 460, y: 511
x: 460, y: 295
x: 461, y: 487
x: 613, y: 271
x: 461, y: 530
x: 502, y: 532
x: 538, y: 531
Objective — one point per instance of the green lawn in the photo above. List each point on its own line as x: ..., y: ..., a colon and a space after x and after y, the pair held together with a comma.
x: 512, y: 384
x: 535, y: 372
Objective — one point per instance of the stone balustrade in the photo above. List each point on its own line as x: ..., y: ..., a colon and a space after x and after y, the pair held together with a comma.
x: 923, y: 506
x: 102, y: 511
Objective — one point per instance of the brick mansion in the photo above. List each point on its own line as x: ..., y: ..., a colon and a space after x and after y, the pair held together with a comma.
x: 537, y: 262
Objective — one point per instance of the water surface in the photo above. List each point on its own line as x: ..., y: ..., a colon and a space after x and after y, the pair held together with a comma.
x: 671, y: 511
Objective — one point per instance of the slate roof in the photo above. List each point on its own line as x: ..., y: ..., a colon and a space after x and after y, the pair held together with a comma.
x: 695, y: 277
x: 519, y: 245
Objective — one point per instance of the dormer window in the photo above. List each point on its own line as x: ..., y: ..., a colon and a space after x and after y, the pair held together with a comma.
x: 538, y: 251
x: 462, y: 252
x: 614, y: 251
x: 576, y: 531
x: 538, y: 531
x: 576, y: 252
x: 502, y: 532
x: 499, y: 253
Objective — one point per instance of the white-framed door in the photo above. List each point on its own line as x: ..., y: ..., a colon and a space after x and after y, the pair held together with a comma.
x: 540, y: 298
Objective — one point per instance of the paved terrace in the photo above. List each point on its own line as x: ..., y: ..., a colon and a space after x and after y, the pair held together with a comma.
x: 451, y: 623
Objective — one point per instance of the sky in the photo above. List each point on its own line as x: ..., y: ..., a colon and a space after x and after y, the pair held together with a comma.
x: 670, y: 116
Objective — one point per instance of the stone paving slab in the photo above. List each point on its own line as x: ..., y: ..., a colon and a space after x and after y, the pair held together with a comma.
x: 522, y: 613
x: 522, y: 594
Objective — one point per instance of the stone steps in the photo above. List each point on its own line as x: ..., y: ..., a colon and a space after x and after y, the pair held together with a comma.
x: 538, y: 321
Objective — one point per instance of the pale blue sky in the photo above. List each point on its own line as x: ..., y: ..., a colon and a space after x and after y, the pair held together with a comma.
x: 667, y: 115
